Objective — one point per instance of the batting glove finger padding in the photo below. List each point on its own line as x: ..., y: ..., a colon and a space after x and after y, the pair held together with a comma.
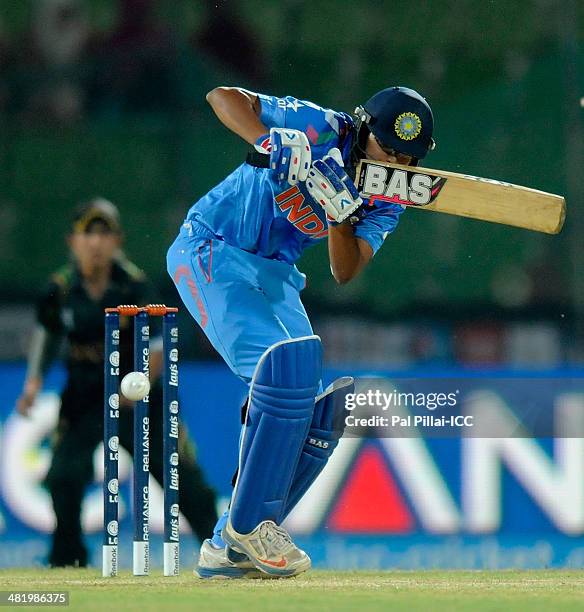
x: 332, y: 187
x: 290, y: 155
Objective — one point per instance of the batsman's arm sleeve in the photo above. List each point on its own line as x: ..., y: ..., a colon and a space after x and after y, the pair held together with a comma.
x: 378, y: 224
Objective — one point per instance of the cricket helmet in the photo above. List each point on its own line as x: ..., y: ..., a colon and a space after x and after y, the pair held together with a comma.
x: 400, y: 119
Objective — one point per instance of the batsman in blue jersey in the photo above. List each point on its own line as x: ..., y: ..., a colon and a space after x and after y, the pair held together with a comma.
x: 233, y: 264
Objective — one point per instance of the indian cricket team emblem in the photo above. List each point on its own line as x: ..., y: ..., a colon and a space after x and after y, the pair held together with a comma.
x: 408, y: 126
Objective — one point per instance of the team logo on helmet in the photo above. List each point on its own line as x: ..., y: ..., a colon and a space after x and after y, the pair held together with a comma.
x: 408, y: 126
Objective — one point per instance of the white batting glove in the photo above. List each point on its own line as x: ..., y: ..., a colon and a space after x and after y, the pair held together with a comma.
x: 290, y: 153
x: 332, y: 187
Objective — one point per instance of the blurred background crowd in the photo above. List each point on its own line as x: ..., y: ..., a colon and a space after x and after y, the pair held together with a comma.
x: 107, y: 97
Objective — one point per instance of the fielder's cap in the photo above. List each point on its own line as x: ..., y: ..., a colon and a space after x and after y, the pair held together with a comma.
x: 97, y: 210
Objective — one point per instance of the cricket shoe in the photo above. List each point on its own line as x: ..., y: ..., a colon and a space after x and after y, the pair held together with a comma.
x: 223, y: 562
x: 269, y: 548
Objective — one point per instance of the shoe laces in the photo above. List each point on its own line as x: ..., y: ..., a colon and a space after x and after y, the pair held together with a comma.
x: 277, y: 537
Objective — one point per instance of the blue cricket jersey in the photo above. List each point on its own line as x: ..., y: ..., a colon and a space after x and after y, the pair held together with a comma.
x: 251, y: 210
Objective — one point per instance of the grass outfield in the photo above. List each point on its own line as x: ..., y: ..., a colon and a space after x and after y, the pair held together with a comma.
x: 318, y: 590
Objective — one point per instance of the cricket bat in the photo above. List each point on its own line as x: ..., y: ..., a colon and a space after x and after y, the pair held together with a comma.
x: 462, y: 195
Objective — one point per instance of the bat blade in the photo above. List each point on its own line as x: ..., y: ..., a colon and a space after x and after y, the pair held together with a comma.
x: 462, y: 195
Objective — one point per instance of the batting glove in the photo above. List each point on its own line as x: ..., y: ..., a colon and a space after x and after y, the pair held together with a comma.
x: 332, y: 187
x: 290, y: 154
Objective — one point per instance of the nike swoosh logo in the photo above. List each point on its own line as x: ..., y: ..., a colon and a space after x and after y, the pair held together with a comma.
x: 281, y: 563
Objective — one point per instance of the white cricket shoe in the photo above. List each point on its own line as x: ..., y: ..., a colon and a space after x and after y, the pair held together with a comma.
x: 215, y: 562
x: 270, y: 548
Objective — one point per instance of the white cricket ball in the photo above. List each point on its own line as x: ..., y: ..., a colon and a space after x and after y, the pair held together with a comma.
x: 135, y: 386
